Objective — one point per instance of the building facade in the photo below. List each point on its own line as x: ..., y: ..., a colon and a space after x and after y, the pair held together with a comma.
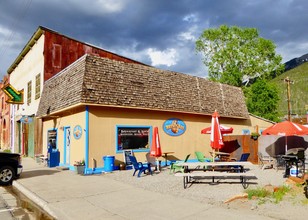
x: 98, y: 107
x: 5, y: 139
x: 45, y: 54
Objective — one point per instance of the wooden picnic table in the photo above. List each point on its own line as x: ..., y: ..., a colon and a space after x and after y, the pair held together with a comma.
x: 212, y: 170
x: 166, y: 156
x: 223, y: 156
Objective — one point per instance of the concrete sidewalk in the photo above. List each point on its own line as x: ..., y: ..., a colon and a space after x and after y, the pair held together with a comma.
x: 66, y: 195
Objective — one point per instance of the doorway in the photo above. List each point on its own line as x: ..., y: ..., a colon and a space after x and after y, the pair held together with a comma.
x: 67, y: 145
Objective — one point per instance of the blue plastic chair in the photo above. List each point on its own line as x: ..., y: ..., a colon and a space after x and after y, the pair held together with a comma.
x: 141, y: 167
x: 244, y: 157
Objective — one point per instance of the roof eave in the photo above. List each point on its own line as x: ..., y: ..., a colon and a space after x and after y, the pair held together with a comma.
x: 54, y: 114
x: 26, y: 49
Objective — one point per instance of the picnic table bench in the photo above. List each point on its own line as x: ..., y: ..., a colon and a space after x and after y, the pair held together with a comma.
x: 212, y: 170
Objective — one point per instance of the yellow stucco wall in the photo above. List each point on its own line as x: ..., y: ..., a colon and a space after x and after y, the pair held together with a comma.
x: 102, y: 132
x: 77, y: 146
x: 103, y: 122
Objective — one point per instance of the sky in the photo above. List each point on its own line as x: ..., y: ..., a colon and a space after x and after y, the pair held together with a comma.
x: 160, y: 33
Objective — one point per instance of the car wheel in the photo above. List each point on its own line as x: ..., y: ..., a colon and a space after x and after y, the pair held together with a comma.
x: 7, y: 175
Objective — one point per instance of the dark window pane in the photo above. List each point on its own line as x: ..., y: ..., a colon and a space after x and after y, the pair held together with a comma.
x: 133, y: 138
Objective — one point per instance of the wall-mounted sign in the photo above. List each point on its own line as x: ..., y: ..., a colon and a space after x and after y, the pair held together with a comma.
x: 174, y: 127
x: 15, y: 96
x: 26, y: 119
x: 77, y: 132
x: 126, y: 154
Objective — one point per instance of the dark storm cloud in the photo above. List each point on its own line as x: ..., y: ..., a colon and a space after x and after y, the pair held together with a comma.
x: 145, y: 29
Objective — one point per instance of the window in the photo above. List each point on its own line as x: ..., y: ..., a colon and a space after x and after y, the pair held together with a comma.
x: 37, y: 86
x: 52, y: 139
x: 29, y: 91
x: 133, y: 138
x: 56, y: 55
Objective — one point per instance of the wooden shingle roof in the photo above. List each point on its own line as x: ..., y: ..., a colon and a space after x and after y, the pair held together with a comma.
x: 101, y: 81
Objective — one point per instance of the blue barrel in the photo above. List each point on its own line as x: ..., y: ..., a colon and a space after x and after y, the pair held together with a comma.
x: 108, y: 163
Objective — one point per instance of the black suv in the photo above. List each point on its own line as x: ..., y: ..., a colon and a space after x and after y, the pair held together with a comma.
x: 10, y: 167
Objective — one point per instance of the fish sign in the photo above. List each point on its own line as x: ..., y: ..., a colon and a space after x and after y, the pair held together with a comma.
x: 15, y: 97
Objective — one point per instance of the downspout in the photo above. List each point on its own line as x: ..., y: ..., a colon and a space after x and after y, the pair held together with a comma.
x: 87, y: 139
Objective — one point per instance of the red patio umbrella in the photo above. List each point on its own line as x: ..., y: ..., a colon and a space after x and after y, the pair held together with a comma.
x: 286, y: 128
x: 223, y: 130
x: 156, y: 147
x: 216, y: 137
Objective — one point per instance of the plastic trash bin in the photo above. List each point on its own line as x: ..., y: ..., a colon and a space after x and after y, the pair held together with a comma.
x: 108, y: 163
x: 53, y: 158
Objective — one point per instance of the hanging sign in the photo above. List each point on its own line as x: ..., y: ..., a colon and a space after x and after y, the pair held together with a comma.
x: 174, y: 127
x: 15, y: 96
x: 26, y: 119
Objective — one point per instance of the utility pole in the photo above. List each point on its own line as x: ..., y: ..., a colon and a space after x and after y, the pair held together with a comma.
x: 288, y: 81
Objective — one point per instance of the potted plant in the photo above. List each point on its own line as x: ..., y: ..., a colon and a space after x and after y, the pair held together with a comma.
x: 79, y: 166
x: 254, y: 135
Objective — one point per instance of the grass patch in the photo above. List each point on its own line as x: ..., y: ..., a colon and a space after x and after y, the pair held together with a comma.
x: 280, y: 192
x: 257, y: 193
x: 299, y: 90
x: 262, y: 194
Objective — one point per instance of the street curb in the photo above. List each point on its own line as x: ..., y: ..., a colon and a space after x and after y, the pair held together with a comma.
x: 34, y: 198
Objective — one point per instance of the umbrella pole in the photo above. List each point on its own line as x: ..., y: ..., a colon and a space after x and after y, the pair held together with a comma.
x: 286, y: 147
x: 157, y: 164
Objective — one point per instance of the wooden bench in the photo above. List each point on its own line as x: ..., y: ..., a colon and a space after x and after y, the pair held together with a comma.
x: 221, y: 169
x: 189, y: 177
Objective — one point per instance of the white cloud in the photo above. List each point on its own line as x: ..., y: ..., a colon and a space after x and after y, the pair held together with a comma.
x: 99, y: 7
x: 292, y: 50
x: 191, y: 18
x: 188, y: 36
x: 4, y: 31
x: 167, y: 57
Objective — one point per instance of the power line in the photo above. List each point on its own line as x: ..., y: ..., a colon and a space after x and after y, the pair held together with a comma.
x: 20, y: 15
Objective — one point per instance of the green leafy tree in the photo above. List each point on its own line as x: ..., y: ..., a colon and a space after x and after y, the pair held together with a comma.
x: 230, y: 53
x: 262, y: 99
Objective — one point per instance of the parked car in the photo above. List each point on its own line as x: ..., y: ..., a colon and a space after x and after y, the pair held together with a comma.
x: 10, y: 167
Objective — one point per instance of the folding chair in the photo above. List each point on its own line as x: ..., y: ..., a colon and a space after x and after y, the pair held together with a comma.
x: 266, y: 161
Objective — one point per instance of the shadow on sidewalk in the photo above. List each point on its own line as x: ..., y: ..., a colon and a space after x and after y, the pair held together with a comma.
x: 33, y: 173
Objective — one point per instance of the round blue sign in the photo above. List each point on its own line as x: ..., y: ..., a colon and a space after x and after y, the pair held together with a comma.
x: 174, y: 127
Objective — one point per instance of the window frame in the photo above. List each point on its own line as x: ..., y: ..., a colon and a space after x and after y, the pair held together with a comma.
x: 29, y: 92
x: 37, y: 86
x: 134, y: 126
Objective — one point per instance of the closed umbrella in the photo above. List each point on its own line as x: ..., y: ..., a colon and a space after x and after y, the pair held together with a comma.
x: 286, y: 128
x: 156, y: 147
x: 216, y: 137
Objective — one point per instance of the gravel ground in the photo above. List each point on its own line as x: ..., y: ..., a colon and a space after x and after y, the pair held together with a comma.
x: 294, y: 206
